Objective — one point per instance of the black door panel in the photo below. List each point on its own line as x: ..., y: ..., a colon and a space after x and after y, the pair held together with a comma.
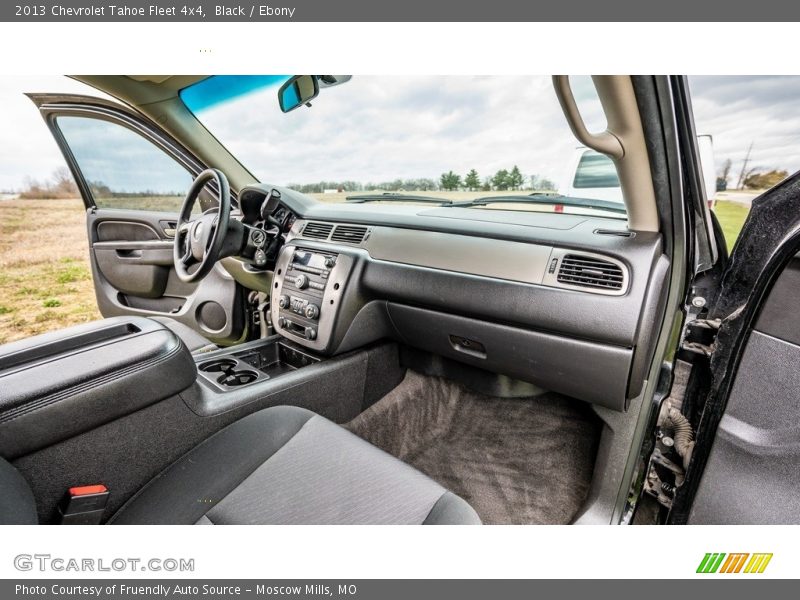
x: 135, y: 268
x: 747, y: 449
x: 126, y: 229
x: 751, y: 471
x: 136, y: 276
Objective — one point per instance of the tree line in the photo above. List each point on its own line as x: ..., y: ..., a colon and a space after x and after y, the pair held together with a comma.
x: 750, y: 178
x: 502, y: 180
x: 61, y: 185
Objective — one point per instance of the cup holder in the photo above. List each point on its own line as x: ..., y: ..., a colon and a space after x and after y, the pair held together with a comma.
x: 229, y: 375
x: 215, y: 366
x: 233, y: 378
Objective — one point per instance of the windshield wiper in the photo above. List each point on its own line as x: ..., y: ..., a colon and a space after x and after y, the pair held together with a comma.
x: 545, y: 199
x: 394, y: 197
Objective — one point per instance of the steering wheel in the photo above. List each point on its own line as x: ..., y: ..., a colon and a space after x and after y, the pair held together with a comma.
x: 199, y: 241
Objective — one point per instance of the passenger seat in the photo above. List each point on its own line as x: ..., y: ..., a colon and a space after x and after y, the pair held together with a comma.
x: 279, y: 466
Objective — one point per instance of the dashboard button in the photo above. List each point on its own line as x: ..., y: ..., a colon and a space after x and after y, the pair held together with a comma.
x: 301, y: 282
x: 310, y: 333
x: 312, y: 311
x: 283, y: 301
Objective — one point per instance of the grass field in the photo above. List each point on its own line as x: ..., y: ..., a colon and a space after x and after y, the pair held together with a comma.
x: 731, y: 217
x: 45, y: 279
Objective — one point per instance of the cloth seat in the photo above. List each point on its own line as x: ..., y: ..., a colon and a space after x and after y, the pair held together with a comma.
x: 281, y: 465
x: 193, y: 340
x: 287, y: 465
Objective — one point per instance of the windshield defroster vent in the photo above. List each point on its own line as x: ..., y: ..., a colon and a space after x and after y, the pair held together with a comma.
x: 349, y: 234
x: 317, y: 231
x: 615, y: 232
x: 585, y: 271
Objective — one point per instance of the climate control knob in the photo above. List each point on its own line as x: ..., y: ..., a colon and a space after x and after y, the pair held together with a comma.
x: 330, y: 262
x: 312, y: 311
x: 284, y: 301
x: 310, y: 333
x: 301, y: 282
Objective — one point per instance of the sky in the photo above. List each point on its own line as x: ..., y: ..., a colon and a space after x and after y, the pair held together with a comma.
x: 26, y: 147
x: 376, y: 129
x: 738, y: 111
x: 381, y: 128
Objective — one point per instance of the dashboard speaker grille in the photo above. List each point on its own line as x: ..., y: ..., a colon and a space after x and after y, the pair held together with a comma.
x: 349, y: 234
x: 590, y: 272
x: 317, y: 231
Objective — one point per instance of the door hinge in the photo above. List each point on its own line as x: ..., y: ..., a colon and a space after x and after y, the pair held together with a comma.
x: 699, y: 336
x: 674, y: 441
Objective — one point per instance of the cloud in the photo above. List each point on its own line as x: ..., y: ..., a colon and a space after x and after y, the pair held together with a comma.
x: 740, y: 110
x: 26, y: 147
x: 379, y: 128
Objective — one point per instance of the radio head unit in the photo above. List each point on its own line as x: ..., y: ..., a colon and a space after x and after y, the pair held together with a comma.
x: 307, y: 290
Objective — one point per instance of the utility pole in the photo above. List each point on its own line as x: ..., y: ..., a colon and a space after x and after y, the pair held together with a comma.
x: 744, y: 167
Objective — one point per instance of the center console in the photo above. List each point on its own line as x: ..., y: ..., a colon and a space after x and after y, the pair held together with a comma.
x: 60, y: 384
x: 262, y: 361
x: 307, y: 303
x: 307, y: 294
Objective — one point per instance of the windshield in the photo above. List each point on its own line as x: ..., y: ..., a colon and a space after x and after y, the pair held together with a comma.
x: 409, y: 138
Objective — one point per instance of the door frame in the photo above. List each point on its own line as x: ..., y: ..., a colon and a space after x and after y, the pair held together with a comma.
x: 213, y: 287
x: 665, y: 106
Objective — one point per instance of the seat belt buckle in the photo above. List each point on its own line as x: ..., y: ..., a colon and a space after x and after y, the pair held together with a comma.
x: 83, y: 505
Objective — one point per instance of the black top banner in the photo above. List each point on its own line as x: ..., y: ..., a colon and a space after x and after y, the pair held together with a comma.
x: 398, y: 11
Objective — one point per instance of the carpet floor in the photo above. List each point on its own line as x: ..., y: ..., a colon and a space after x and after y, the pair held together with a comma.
x: 516, y: 461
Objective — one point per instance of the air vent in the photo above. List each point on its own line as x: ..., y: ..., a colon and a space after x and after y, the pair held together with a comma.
x: 585, y: 271
x: 317, y: 231
x: 349, y: 234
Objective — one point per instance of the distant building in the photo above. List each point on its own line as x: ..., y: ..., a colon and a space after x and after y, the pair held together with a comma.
x: 8, y: 196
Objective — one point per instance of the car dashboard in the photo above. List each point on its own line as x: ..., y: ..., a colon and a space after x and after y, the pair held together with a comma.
x: 564, y: 301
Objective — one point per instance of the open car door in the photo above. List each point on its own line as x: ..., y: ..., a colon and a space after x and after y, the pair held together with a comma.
x: 744, y: 396
x: 726, y: 435
x: 133, y: 177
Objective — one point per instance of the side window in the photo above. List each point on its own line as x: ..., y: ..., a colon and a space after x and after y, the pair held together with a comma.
x: 595, y: 170
x: 122, y: 168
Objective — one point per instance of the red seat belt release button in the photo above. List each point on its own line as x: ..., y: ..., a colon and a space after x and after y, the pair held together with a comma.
x: 87, y: 490
x: 84, y: 505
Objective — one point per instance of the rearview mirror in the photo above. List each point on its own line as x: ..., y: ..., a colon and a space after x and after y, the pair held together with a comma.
x: 299, y: 90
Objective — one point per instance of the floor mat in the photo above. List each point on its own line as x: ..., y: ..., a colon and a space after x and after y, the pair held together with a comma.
x: 516, y: 461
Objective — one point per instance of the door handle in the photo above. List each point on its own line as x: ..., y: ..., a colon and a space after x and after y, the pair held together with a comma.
x: 169, y: 227
x: 129, y: 253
